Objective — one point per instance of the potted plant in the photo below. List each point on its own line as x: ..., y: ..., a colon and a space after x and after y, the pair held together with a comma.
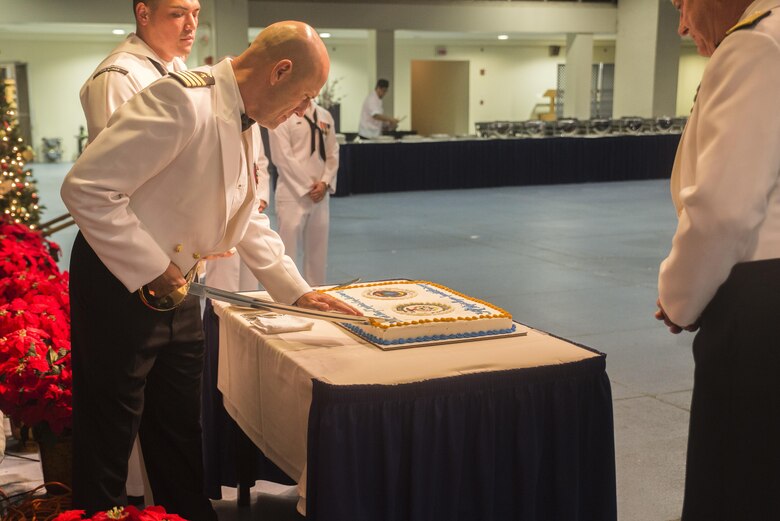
x: 129, y: 513
x: 35, y: 369
x: 328, y: 100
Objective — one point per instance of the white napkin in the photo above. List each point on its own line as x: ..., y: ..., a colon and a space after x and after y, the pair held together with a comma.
x: 274, y: 323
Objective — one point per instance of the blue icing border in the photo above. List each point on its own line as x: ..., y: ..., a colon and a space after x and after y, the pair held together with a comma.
x: 400, y: 341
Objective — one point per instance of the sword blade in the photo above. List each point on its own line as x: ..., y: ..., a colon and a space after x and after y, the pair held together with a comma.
x: 238, y: 299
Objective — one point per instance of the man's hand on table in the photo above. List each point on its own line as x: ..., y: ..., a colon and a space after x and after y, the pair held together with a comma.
x: 314, y: 300
x: 674, y: 328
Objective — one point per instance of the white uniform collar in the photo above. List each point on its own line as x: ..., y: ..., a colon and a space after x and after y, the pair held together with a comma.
x: 311, y: 109
x: 758, y: 6
x: 133, y: 44
x: 231, y: 105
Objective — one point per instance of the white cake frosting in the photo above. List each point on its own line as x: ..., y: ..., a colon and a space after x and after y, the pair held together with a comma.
x: 413, y: 311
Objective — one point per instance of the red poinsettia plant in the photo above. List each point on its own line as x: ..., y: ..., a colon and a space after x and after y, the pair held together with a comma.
x: 128, y: 513
x: 35, y: 369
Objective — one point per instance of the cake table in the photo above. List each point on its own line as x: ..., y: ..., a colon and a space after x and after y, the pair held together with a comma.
x: 508, y: 428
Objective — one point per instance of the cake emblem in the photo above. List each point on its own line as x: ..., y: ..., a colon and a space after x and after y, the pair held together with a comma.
x: 389, y: 293
x: 421, y: 309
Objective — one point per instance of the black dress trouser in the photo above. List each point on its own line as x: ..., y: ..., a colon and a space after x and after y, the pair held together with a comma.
x: 135, y: 370
x: 733, y: 463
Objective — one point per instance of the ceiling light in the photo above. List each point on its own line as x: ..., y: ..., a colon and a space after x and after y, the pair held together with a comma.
x: 503, y: 37
x: 325, y: 35
x: 118, y: 32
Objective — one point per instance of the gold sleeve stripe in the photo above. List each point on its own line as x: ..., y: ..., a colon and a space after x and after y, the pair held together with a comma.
x: 193, y: 79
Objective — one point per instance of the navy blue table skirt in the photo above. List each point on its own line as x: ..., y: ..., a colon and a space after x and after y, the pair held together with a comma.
x: 394, y: 167
x: 528, y: 444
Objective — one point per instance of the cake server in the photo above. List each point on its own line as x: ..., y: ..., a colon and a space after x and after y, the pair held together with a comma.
x: 237, y: 299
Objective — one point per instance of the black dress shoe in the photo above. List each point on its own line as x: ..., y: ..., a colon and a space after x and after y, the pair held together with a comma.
x: 136, y: 501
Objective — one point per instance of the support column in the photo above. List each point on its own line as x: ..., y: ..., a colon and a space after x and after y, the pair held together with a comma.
x: 647, y: 59
x: 385, y: 66
x: 579, y: 61
x: 222, y: 31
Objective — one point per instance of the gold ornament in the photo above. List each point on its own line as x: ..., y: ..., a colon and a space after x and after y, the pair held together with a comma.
x: 27, y: 155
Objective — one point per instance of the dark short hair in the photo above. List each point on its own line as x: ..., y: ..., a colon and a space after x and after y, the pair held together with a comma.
x: 382, y: 84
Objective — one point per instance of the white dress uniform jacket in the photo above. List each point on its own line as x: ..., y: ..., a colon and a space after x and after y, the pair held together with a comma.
x: 726, y: 176
x: 372, y: 105
x: 167, y: 180
x: 302, y: 222
x: 231, y: 273
x: 126, y: 71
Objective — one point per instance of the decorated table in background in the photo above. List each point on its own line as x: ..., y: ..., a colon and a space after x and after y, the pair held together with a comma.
x: 510, y: 428
x: 482, y: 163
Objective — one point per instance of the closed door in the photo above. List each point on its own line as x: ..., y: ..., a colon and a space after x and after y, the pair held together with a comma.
x: 440, y: 97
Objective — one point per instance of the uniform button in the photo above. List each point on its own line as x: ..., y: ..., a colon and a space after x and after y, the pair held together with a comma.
x: 178, y: 248
x: 196, y: 256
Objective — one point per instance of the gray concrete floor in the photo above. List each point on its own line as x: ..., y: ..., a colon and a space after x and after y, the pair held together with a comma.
x: 580, y: 261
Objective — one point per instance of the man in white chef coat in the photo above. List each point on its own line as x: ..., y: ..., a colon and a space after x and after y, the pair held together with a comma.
x: 722, y: 275
x: 168, y: 182
x: 372, y: 114
x: 306, y: 155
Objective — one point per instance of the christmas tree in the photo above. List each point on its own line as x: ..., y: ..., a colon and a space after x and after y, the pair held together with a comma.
x: 18, y: 193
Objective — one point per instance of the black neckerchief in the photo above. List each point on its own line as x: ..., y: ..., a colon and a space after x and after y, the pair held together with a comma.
x: 157, y: 65
x: 246, y: 122
x: 315, y: 131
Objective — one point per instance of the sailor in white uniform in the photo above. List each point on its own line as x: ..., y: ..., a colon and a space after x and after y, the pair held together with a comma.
x: 164, y: 34
x: 306, y: 154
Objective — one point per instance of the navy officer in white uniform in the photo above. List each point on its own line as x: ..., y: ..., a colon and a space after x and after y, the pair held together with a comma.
x: 306, y: 154
x: 164, y: 34
x: 167, y: 182
x: 722, y: 275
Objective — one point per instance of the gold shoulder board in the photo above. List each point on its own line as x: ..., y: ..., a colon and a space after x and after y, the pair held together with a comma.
x: 193, y: 78
x: 750, y: 21
x: 110, y: 68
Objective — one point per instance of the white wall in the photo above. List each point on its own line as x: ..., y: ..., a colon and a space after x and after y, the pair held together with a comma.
x: 515, y: 77
x: 56, y: 70
x: 349, y: 64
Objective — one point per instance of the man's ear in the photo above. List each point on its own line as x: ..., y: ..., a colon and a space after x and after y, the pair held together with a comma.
x: 142, y: 13
x: 282, y: 69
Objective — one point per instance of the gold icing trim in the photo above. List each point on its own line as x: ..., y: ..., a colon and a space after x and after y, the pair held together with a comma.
x: 381, y: 325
